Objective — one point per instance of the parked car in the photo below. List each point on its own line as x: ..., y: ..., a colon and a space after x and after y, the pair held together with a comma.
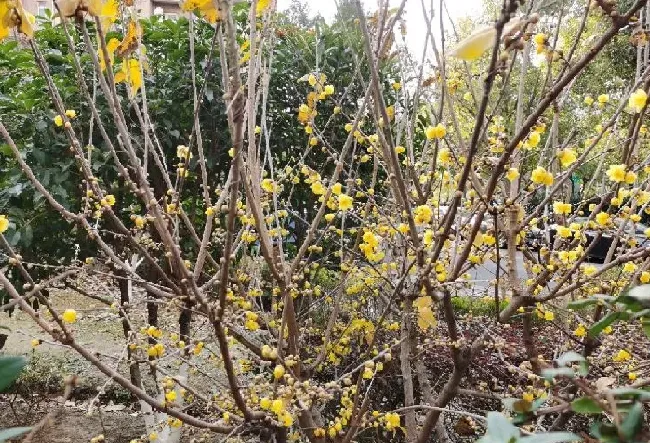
x: 599, y: 250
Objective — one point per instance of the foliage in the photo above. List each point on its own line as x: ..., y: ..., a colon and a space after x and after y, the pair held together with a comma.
x: 10, y: 368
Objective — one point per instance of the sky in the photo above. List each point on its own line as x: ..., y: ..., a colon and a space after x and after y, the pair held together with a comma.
x: 413, y: 15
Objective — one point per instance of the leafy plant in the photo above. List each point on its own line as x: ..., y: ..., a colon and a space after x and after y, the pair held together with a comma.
x: 10, y: 368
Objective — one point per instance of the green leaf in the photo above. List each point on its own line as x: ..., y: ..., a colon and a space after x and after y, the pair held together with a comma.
x: 640, y: 294
x: 6, y: 434
x: 632, y: 422
x: 569, y: 357
x: 645, y: 325
x: 550, y: 437
x: 631, y: 392
x: 586, y: 302
x: 550, y: 373
x: 10, y: 368
x: 586, y: 405
x: 610, y: 318
x: 582, y: 304
x: 499, y: 429
x: 604, y: 432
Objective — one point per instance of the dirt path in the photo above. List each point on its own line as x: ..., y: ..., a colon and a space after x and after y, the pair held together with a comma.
x: 98, y: 327
x: 75, y: 426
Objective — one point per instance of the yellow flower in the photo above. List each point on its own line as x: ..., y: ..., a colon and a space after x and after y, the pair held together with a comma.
x: 58, y: 121
x: 262, y: 5
x: 632, y: 376
x: 345, y: 202
x: 69, y: 316
x: 278, y: 372
x: 528, y: 396
x: 131, y: 74
x: 580, y: 331
x: 475, y: 45
x: 71, y: 113
x: 139, y: 221
x: 512, y: 174
x: 36, y: 342
x: 616, y: 173
x: 170, y: 396
x: 589, y: 100
x: 397, y: 86
x: 637, y: 100
x: 608, y: 330
x: 318, y: 188
x: 265, y: 403
x: 622, y: 355
x: 109, y: 200
x: 549, y: 316
x: 4, y: 223
x: 400, y: 149
x: 541, y: 176
x: 644, y: 277
x: 392, y: 421
x: 111, y: 46
x: 630, y: 177
x: 286, y: 419
x: 427, y: 238
x: 423, y: 214
x: 277, y: 406
x: 567, y: 157
x: 108, y: 13
x: 533, y: 139
x: 444, y: 156
x: 370, y: 238
x: 539, y: 38
x: 12, y: 15
x: 438, y: 131
x: 602, y: 218
x: 328, y: 89
x: 183, y: 152
x: 589, y: 270
x: 205, y: 7
x: 603, y: 98
x: 629, y: 267
x: 564, y: 232
x: 561, y: 208
x: 268, y: 185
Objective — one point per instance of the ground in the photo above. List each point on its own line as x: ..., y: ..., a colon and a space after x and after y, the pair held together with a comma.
x: 76, y: 426
x: 50, y: 363
x: 112, y: 412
